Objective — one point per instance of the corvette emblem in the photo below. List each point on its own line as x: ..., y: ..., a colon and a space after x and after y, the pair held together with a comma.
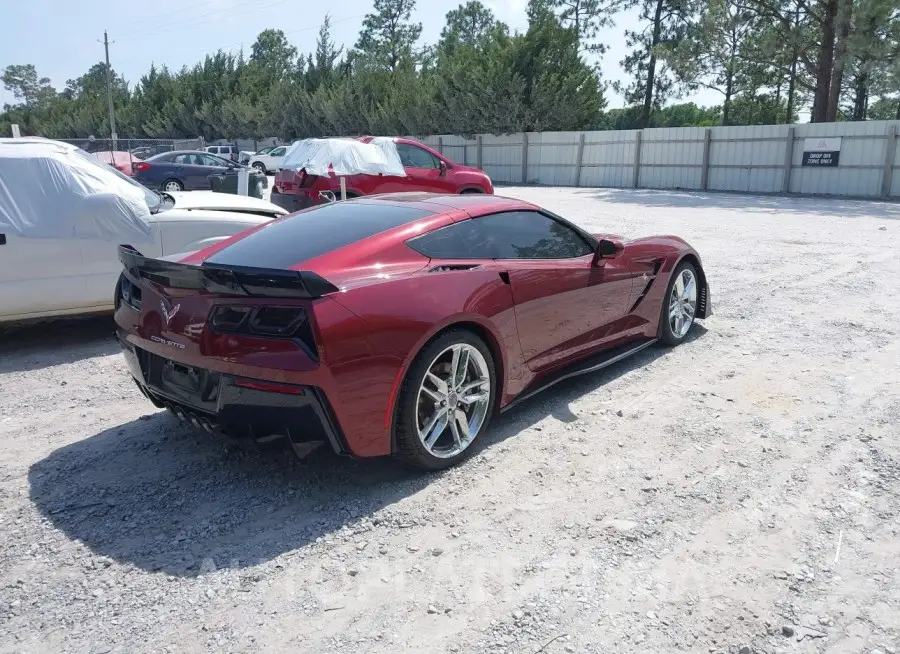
x: 168, y: 314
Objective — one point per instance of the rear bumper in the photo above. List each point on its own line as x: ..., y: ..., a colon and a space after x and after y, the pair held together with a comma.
x: 290, y: 202
x: 235, y: 406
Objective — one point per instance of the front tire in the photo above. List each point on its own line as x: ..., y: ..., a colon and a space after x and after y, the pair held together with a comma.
x: 679, y: 306
x: 260, y: 167
x: 446, y: 401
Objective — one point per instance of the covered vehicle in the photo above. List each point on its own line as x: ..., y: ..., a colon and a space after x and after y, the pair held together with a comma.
x: 305, y: 175
x: 63, y: 213
x: 404, y: 331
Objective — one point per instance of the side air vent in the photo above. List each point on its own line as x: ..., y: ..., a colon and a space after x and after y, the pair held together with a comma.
x: 657, y: 264
x: 455, y: 266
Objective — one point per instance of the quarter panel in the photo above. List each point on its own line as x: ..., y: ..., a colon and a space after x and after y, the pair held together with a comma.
x: 406, y: 313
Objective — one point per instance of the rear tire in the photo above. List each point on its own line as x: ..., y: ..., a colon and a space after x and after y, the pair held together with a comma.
x: 436, y: 425
x: 679, y: 305
x: 471, y: 191
x: 172, y: 185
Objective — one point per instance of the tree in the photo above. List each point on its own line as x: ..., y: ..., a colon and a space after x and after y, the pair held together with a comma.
x: 321, y: 69
x: 388, y: 37
x: 714, y: 55
x: 23, y: 81
x: 873, y: 43
x: 273, y: 55
x: 561, y: 89
x: 587, y: 17
x: 539, y: 11
x: 470, y: 24
x: 667, y: 22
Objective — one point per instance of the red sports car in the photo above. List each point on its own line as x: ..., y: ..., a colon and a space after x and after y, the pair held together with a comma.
x: 395, y: 324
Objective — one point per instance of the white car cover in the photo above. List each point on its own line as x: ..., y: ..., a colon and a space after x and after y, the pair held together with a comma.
x: 50, y: 189
x: 344, y: 157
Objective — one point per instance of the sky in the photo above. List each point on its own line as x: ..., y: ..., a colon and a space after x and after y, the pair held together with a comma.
x: 64, y: 38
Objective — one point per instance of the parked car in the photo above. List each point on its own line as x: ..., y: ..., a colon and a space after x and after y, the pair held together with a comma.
x: 246, y: 154
x: 404, y: 331
x: 65, y: 213
x: 229, y: 152
x: 146, y: 151
x: 185, y: 170
x: 426, y: 170
x: 122, y: 161
x: 268, y: 159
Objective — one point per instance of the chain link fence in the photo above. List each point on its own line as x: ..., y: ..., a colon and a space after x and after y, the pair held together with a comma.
x: 123, y: 153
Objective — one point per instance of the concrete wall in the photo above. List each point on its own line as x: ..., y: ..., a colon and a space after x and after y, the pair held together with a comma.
x: 758, y: 159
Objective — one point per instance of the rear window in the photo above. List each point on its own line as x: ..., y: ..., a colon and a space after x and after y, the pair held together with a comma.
x: 307, y: 235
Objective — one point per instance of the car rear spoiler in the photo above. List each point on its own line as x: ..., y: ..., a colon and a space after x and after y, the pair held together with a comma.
x: 228, y: 280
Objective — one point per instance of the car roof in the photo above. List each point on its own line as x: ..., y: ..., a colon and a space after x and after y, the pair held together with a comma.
x: 475, y: 204
x: 183, y: 152
x: 366, y: 218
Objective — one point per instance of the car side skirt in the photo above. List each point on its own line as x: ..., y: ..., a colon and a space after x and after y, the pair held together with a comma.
x: 592, y: 364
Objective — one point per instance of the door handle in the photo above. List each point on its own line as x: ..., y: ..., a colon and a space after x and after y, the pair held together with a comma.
x: 2, y: 239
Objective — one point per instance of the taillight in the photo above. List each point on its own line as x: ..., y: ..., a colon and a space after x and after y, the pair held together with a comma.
x: 129, y: 294
x: 258, y: 321
x: 266, y: 322
x: 141, y: 167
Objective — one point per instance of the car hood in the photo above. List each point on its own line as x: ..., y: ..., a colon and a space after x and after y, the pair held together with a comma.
x: 468, y: 169
x: 224, y: 202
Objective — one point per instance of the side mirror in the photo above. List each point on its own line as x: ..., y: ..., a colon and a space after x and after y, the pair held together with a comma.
x: 443, y: 167
x: 608, y: 249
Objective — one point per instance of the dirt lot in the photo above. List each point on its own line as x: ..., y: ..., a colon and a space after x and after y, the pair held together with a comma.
x: 740, y: 493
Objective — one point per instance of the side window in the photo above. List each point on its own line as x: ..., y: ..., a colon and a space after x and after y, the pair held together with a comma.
x: 278, y: 152
x: 457, y: 241
x: 530, y: 235
x: 206, y: 160
x: 412, y: 156
x: 184, y: 159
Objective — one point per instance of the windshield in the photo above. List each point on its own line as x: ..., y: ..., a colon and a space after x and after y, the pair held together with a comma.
x: 150, y: 197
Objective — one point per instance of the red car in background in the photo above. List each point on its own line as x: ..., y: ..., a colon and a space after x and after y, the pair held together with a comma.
x: 403, y: 331
x: 427, y: 171
x: 121, y: 161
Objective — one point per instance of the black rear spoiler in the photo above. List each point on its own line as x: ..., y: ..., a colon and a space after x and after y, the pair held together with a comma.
x: 228, y: 280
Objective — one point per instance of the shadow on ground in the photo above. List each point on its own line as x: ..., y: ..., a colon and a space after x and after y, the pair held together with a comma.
x: 41, y: 345
x: 748, y: 202
x: 156, y: 495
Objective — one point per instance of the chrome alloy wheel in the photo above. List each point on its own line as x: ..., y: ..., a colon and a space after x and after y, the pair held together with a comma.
x: 683, y: 303
x: 453, y: 400
x: 172, y: 186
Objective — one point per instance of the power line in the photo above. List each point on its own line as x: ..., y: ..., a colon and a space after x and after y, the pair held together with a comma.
x: 301, y: 29
x: 227, y: 46
x: 191, y: 22
x: 142, y: 25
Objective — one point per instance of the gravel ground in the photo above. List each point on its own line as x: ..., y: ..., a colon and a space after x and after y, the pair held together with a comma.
x: 738, y: 493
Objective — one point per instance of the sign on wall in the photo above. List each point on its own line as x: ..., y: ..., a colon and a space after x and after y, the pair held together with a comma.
x: 821, y: 151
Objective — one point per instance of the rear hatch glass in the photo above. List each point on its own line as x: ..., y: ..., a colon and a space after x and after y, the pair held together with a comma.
x: 289, y: 241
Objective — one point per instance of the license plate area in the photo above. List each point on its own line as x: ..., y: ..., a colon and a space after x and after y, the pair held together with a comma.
x: 196, y: 387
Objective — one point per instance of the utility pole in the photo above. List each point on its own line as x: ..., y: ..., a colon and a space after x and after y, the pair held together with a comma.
x: 112, y: 115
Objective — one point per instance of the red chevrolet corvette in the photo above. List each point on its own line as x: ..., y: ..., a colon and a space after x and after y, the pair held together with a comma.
x: 395, y: 324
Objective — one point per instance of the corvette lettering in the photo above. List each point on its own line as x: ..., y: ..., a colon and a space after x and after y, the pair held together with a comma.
x: 165, y: 341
